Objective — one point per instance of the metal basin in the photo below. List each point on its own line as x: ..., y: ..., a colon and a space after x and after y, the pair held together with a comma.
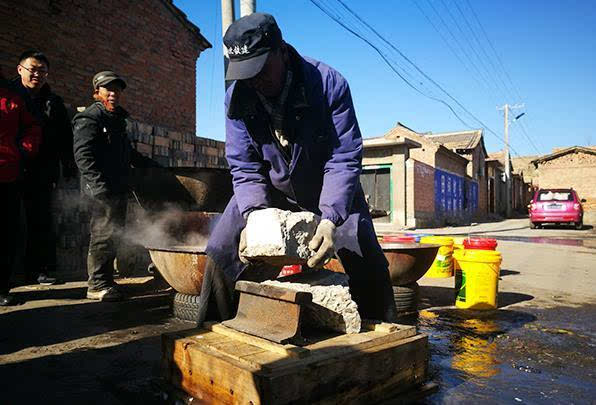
x: 408, y: 261
x: 181, y: 266
x: 189, y: 188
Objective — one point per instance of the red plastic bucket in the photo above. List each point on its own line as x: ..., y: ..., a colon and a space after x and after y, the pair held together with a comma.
x: 480, y: 243
x: 398, y: 239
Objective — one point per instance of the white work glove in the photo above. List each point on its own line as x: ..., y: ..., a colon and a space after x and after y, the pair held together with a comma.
x: 323, y: 244
x: 242, y: 247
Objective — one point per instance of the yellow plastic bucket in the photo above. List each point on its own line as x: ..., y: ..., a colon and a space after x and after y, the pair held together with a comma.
x: 443, y: 263
x: 478, y: 286
x: 458, y: 244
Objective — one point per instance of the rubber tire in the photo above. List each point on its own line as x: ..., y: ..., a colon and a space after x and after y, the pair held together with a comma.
x: 186, y: 307
x: 406, y: 297
x: 579, y: 225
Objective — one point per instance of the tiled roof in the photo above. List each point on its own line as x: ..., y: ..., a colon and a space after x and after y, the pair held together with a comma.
x: 458, y: 140
x: 562, y: 152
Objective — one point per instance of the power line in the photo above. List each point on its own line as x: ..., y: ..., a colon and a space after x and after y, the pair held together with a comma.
x: 393, y: 47
x: 474, y: 36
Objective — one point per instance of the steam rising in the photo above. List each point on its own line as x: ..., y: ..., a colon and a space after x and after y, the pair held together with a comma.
x: 170, y: 227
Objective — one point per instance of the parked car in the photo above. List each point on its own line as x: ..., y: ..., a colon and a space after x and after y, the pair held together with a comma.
x: 556, y: 206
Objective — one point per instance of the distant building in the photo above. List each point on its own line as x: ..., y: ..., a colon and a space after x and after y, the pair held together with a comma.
x: 469, y: 144
x: 412, y: 181
x: 573, y: 167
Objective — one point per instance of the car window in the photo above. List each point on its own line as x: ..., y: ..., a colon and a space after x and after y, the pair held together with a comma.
x: 555, y: 196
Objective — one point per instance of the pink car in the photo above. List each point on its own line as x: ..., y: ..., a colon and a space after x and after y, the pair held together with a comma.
x: 560, y: 205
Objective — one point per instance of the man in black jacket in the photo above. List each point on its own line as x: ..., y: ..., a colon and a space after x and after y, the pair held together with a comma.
x: 43, y: 173
x: 104, y: 155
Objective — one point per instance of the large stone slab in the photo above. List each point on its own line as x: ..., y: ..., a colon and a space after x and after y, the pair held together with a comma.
x: 279, y: 237
x: 332, y: 306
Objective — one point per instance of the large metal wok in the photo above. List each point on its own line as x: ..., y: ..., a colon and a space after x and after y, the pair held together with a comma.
x: 181, y: 266
x: 188, y: 188
x: 408, y: 261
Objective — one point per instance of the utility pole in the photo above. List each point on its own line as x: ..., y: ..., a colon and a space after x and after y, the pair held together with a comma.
x: 247, y: 7
x: 508, y: 193
x: 227, y: 18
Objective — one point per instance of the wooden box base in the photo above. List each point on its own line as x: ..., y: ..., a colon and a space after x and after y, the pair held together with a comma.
x: 223, y: 366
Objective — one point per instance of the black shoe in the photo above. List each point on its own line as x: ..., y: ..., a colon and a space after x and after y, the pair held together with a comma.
x: 44, y: 279
x: 111, y: 293
x: 7, y: 300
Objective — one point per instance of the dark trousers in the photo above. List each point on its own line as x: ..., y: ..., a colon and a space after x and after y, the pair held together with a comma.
x: 106, y: 226
x: 10, y: 211
x: 40, y: 255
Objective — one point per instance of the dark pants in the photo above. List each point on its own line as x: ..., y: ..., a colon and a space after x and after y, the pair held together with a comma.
x: 10, y: 211
x: 106, y: 226
x: 40, y: 255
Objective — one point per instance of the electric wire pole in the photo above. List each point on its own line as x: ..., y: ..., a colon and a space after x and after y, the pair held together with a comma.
x: 508, y: 193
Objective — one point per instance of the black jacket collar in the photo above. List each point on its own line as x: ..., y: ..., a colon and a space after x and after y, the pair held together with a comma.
x: 244, y: 102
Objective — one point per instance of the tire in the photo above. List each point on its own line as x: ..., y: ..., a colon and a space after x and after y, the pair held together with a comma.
x: 579, y: 225
x: 186, y: 307
x: 406, y: 297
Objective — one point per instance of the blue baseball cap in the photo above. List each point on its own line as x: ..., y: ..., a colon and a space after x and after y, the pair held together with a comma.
x: 248, y: 42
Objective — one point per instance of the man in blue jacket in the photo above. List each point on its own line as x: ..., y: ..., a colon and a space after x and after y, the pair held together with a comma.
x: 293, y: 142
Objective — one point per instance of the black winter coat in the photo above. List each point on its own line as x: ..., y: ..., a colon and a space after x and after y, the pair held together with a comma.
x: 56, y: 143
x: 103, y: 152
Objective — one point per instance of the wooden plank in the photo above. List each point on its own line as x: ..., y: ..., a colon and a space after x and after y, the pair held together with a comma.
x: 357, y: 377
x: 287, y: 349
x: 208, y: 376
x: 378, y: 326
x: 337, y: 346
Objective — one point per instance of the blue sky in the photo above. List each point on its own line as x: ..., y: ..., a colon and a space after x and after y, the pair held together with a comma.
x: 547, y: 49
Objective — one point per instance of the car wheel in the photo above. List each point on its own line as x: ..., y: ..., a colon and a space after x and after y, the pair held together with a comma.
x: 579, y: 225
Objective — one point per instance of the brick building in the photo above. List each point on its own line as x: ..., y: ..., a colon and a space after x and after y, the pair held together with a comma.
x: 469, y: 144
x: 571, y: 167
x: 153, y: 45
x: 416, y: 182
x: 150, y: 43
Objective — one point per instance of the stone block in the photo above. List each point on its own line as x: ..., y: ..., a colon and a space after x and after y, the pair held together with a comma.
x: 332, y: 306
x: 279, y: 237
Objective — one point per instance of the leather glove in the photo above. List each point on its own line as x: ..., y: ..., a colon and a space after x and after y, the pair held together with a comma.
x: 242, y: 247
x: 323, y: 243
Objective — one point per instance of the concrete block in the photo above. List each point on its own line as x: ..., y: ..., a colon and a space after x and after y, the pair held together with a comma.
x: 332, y: 306
x: 279, y: 237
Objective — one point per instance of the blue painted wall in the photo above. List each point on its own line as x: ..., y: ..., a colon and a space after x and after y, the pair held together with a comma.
x: 454, y: 195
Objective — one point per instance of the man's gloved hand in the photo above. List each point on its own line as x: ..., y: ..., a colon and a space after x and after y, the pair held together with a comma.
x: 323, y: 243
x: 242, y: 247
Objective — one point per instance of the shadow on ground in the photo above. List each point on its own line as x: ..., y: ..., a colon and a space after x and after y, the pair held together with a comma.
x: 51, y: 325
x: 431, y: 297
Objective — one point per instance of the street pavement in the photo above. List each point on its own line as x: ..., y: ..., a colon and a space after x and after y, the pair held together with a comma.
x: 538, y: 347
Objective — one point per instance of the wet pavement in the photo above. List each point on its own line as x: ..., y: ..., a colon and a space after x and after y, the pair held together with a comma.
x: 589, y: 243
x: 523, y: 355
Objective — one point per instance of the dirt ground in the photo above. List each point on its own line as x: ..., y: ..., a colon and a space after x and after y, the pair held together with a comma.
x: 538, y: 347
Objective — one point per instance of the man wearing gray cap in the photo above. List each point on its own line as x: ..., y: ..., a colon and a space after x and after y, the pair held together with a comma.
x: 104, y: 155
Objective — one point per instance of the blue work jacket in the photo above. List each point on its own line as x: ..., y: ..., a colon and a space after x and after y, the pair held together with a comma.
x: 320, y: 173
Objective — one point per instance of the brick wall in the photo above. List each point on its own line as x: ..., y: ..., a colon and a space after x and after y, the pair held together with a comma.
x: 144, y: 41
x: 423, y: 188
x: 71, y: 220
